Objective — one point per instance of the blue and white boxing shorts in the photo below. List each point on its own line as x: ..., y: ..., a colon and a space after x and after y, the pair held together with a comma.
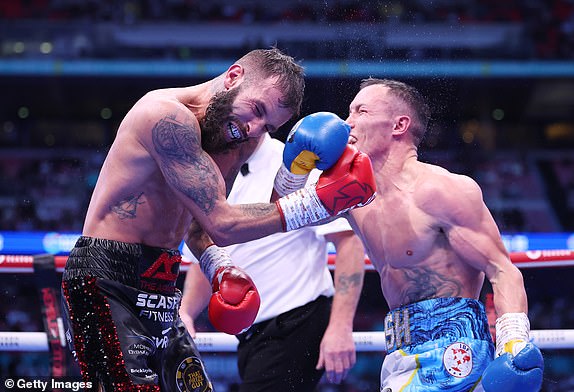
x: 441, y: 344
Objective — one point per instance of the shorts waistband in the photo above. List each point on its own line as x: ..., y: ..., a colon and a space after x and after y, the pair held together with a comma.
x: 434, y: 319
x: 141, y: 266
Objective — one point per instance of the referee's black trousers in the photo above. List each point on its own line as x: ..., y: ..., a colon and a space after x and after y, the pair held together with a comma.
x: 280, y: 354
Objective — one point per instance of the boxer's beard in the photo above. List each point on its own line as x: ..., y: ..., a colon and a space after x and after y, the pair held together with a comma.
x: 214, y: 123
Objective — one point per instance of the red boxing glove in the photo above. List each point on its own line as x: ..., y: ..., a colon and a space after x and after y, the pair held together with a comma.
x: 235, y: 300
x: 348, y: 184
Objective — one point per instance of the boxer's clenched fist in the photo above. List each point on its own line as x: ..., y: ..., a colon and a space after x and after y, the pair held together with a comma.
x: 316, y: 141
x: 519, y: 365
x: 235, y: 300
x: 348, y: 184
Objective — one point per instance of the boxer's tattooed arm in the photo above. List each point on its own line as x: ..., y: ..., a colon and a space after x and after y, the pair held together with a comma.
x: 184, y: 163
x: 347, y: 282
x: 424, y: 283
x: 258, y: 210
x: 127, y: 208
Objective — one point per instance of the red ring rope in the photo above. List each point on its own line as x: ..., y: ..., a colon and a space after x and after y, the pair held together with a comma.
x: 528, y: 259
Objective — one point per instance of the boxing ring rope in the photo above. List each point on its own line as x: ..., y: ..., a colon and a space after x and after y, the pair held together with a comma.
x: 364, y: 341
x: 528, y: 259
x: 220, y: 342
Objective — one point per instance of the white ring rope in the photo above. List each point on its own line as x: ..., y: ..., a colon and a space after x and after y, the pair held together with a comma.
x: 220, y: 342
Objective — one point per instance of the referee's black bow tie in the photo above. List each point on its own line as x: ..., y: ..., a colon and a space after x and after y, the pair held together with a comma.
x: 244, y: 169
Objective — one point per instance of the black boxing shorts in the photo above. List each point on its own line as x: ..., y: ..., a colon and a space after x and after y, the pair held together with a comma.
x: 121, y: 309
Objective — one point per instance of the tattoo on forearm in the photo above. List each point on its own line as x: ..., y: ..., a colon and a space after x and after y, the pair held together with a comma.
x: 347, y: 282
x: 184, y: 164
x: 127, y: 208
x: 258, y: 210
x: 424, y: 283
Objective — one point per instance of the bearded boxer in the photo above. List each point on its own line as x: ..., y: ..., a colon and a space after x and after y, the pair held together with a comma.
x: 159, y: 177
x: 433, y: 241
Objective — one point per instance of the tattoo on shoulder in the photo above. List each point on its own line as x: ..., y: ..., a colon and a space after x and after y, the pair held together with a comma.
x: 425, y: 283
x: 127, y: 208
x: 184, y: 163
x: 174, y: 139
x: 347, y: 282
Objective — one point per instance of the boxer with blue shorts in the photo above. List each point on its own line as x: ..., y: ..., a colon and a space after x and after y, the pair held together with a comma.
x: 436, y: 345
x: 434, y: 242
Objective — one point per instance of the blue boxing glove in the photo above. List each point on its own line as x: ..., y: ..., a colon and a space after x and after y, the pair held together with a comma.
x: 519, y: 365
x: 520, y: 373
x: 316, y: 141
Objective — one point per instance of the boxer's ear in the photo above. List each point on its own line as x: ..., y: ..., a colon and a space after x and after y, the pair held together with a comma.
x: 401, y: 125
x: 234, y: 76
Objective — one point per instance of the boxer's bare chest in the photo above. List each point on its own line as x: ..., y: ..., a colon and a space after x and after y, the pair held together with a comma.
x: 396, y: 231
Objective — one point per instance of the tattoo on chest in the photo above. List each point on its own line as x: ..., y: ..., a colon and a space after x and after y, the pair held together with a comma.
x: 127, y: 208
x: 183, y: 162
x: 424, y: 283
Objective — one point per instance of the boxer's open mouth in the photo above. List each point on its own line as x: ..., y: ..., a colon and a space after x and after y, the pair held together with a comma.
x: 234, y: 131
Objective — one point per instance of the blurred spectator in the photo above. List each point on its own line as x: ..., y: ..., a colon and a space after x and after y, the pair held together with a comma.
x: 46, y: 193
x: 547, y: 27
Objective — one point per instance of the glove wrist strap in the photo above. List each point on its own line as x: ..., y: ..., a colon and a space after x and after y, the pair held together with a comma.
x: 511, y: 328
x: 287, y: 182
x: 301, y: 208
x: 212, y: 259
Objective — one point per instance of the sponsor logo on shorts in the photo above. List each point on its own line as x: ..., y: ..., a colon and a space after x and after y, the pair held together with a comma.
x: 140, y: 345
x: 140, y: 349
x: 162, y: 341
x: 397, y: 330
x: 190, y: 376
x: 457, y: 360
x: 145, y: 373
x: 160, y: 277
x: 137, y: 354
x: 165, y: 268
x: 157, y: 315
x: 157, y: 288
x: 156, y: 301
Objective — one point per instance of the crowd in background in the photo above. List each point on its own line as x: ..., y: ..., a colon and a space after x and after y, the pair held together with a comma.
x: 557, y: 12
x: 547, y: 27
